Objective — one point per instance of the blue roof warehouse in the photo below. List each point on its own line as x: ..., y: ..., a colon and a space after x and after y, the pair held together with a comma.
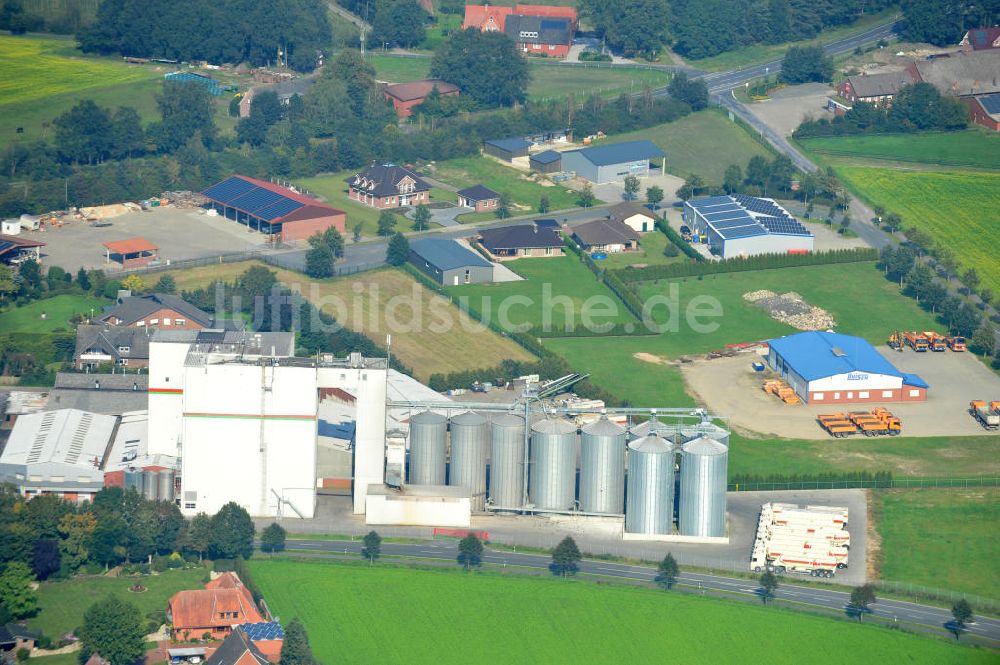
x: 829, y: 368
x: 612, y: 162
x: 739, y: 225
x: 450, y: 263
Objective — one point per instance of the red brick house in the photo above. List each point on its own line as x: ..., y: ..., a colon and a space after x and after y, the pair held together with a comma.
x: 985, y: 110
x: 404, y: 96
x: 486, y: 18
x: 481, y: 198
x: 981, y: 39
x: 156, y: 310
x: 540, y: 30
x: 388, y: 186
x: 877, y: 89
x: 222, y: 605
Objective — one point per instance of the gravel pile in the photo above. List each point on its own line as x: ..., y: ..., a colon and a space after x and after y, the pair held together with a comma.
x: 791, y: 308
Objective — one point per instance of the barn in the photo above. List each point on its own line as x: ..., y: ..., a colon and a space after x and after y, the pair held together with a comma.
x: 507, y: 149
x: 449, y: 263
x: 272, y: 209
x: 548, y: 161
x: 612, y: 163
x: 832, y: 368
x: 739, y: 225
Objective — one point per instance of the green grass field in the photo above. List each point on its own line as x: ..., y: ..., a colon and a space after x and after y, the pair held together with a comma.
x: 960, y: 555
x: 357, y: 614
x: 976, y: 148
x: 525, y: 194
x: 57, y: 310
x: 547, y: 280
x: 704, y: 143
x: 64, y: 602
x: 957, y: 209
x: 652, y: 244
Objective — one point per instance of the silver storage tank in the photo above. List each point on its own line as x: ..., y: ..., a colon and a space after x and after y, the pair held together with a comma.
x: 150, y: 484
x: 427, y: 448
x: 650, y: 506
x: 602, y: 468
x: 166, y: 485
x: 711, y: 430
x: 652, y: 427
x: 552, y: 483
x: 507, y: 461
x: 133, y: 480
x: 702, y: 510
x: 469, y: 450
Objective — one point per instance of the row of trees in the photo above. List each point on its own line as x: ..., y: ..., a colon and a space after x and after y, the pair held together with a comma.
x: 943, y: 22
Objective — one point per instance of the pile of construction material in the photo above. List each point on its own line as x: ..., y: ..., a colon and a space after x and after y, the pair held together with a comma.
x: 782, y: 391
x: 183, y: 199
x: 107, y: 211
x: 809, y: 540
x: 877, y: 422
x: 791, y: 308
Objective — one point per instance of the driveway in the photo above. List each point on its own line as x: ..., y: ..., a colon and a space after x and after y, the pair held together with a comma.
x: 788, y: 107
x: 613, y: 192
x: 443, y: 216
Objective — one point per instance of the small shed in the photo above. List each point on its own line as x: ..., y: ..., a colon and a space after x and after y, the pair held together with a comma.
x: 480, y: 197
x: 549, y: 161
x: 450, y: 263
x: 131, y: 253
x: 10, y: 227
x: 507, y: 149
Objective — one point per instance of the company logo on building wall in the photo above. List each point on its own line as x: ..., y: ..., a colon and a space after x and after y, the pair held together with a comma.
x: 857, y: 376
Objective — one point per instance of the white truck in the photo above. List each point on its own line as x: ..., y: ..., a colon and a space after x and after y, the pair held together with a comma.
x: 839, y: 537
x: 814, y: 566
x: 809, y: 540
x: 775, y: 548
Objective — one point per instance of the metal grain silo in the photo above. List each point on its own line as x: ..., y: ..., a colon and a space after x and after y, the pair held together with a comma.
x: 602, y: 468
x: 552, y: 456
x: 469, y: 450
x: 427, y: 448
x: 652, y: 427
x: 507, y: 461
x: 650, y: 505
x: 711, y: 430
x: 165, y: 481
x: 150, y: 484
x: 133, y: 480
x: 702, y: 510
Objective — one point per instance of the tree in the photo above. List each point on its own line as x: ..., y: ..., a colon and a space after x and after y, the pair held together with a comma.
x: 503, y: 206
x: 936, y: 21
x: 544, y: 204
x: 45, y: 558
x: 82, y: 278
x: 232, y: 533
x: 768, y: 585
x: 295, y: 650
x: 966, y: 320
x: 668, y: 571
x: 899, y: 263
x: 398, y: 23
x: 386, y: 223
x: 7, y: 283
x: 971, y: 279
x: 265, y: 112
x: 134, y: 284
x: 654, y: 196
x: 631, y: 187
x: 330, y: 239
x: 184, y: 110
x: 273, y: 538
x: 256, y: 281
x: 320, y: 262
x: 356, y: 232
x: 845, y: 223
x: 732, y: 179
x: 16, y: 594
x: 373, y: 546
x: 127, y: 136
x: 84, y: 133
x: 585, y: 197
x: 76, y: 533
x: 691, y: 187
x: 421, y: 217
x: 565, y: 557
x: 985, y: 339
x: 470, y: 551
x: 962, y: 612
x: 861, y: 597
x: 199, y: 534
x: 166, y: 284
x: 694, y: 93
x: 632, y: 27
x: 922, y: 106
x: 806, y: 63
x: 918, y: 280
x: 486, y: 66
x: 113, y: 629
x: 398, y: 252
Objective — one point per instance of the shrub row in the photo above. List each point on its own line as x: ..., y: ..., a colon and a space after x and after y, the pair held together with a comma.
x: 796, y: 478
x: 677, y: 240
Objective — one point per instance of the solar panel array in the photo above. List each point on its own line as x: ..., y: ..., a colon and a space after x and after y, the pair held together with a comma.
x: 263, y: 631
x: 740, y: 216
x: 783, y: 225
x: 5, y: 245
x: 234, y: 192
x: 991, y: 103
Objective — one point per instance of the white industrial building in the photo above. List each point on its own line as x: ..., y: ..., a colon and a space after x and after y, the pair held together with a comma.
x: 738, y: 225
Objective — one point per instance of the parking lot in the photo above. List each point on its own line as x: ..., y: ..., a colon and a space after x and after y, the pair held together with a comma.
x: 786, y: 108
x: 180, y: 233
x: 729, y: 387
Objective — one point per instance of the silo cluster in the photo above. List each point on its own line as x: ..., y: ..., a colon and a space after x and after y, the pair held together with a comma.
x: 152, y: 484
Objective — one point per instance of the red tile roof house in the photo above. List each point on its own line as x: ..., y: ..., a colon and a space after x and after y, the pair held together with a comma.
x: 981, y: 38
x: 223, y: 604
x: 537, y: 29
x: 404, y: 96
x: 388, y: 186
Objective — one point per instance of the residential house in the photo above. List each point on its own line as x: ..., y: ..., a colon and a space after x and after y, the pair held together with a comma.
x: 486, y: 18
x: 985, y: 110
x: 981, y: 39
x: 481, y: 198
x: 450, y: 263
x: 523, y: 240
x: 215, y: 611
x: 13, y: 638
x: 111, y: 345
x: 156, y: 310
x: 388, y: 186
x: 268, y: 637
x: 636, y: 216
x: 237, y: 649
x: 537, y: 29
x: 877, y: 89
x: 405, y: 96
x: 606, y: 236
x: 972, y: 76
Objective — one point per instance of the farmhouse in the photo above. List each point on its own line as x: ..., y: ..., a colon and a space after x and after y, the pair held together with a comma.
x: 985, y: 110
x: 388, y: 186
x: 741, y: 225
x: 607, y: 236
x: 479, y: 197
x: 238, y: 649
x: 131, y: 253
x: 828, y: 367
x: 548, y: 161
x: 507, y: 149
x: 511, y: 242
x: 98, y: 345
x: 972, y: 76
x: 217, y: 609
x: 14, y: 250
x: 877, y: 89
x: 404, y: 96
x: 613, y: 162
x: 536, y: 29
x: 156, y: 309
x: 277, y: 211
x: 634, y: 215
x: 981, y: 39
x: 450, y: 263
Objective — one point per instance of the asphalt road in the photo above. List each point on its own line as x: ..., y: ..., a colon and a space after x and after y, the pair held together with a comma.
x: 902, y: 611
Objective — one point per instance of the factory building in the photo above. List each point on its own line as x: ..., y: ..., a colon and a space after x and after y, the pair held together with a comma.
x: 612, y: 162
x: 829, y: 368
x: 738, y: 225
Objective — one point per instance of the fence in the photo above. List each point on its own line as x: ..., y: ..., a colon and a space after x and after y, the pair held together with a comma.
x: 291, y: 260
x: 872, y: 484
x: 918, y: 592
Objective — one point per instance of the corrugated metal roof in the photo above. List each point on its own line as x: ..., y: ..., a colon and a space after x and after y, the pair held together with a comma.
x: 618, y: 153
x: 512, y: 144
x: 447, y: 254
x: 547, y: 157
x: 812, y: 355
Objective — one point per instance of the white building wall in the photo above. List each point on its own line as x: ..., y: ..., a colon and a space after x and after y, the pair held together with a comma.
x: 418, y: 511
x: 166, y: 393
x: 767, y: 244
x: 856, y: 381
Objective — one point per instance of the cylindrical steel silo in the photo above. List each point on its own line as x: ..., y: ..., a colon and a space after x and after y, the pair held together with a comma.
x: 507, y: 461
x: 427, y: 445
x: 602, y: 468
x: 702, y: 510
x: 711, y: 430
x: 133, y: 480
x: 652, y: 427
x: 165, y: 481
x: 469, y: 450
x: 150, y: 484
x: 650, y: 498
x: 552, y: 482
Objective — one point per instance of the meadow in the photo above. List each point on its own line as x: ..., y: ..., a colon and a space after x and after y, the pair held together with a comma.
x: 524, y: 193
x: 652, y: 244
x: 357, y: 614
x: 951, y: 207
x: 976, y: 148
x: 962, y: 555
x: 57, y: 310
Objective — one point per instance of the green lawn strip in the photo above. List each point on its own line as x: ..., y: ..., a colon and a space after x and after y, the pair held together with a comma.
x: 57, y: 310
x: 652, y: 244
x: 975, y: 148
x: 465, y: 172
x: 442, y: 612
x: 72, y: 658
x: 941, y: 538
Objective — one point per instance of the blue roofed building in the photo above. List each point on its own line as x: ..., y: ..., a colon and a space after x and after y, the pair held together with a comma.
x: 612, y: 162
x: 832, y: 368
x: 449, y: 263
x: 739, y: 225
x: 210, y: 83
x: 549, y: 161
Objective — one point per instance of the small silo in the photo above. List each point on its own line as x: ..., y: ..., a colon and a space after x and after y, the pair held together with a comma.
x: 709, y: 429
x: 427, y: 448
x: 602, y: 468
x: 552, y: 457
x: 652, y: 427
x: 133, y: 480
x: 150, y: 484
x: 650, y: 506
x: 507, y: 461
x: 702, y: 509
x: 165, y: 481
x: 469, y: 450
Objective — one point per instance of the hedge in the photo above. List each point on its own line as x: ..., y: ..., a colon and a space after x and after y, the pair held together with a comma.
x: 676, y: 239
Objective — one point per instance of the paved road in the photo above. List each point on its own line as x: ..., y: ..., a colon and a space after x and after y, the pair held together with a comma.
x: 905, y: 612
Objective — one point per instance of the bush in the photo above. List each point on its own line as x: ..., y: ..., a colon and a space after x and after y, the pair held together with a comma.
x: 594, y: 56
x: 224, y: 565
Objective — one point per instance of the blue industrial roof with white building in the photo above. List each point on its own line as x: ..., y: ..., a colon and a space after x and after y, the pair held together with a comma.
x: 816, y: 355
x: 619, y: 153
x: 740, y: 216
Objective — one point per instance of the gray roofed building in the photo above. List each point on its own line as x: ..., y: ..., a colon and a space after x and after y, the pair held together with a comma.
x: 153, y: 309
x: 539, y: 29
x: 637, y: 216
x: 522, y: 240
x: 108, y: 394
x: 108, y: 344
x: 507, y: 149
x: 962, y: 73
x: 612, y: 162
x: 237, y: 649
x: 246, y: 342
x: 739, y: 225
x: 478, y: 193
x: 449, y: 262
x: 606, y: 235
x: 548, y: 161
x: 874, y: 88
x: 413, y: 90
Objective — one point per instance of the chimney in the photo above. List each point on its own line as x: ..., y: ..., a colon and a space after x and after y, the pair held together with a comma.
x: 97, y: 385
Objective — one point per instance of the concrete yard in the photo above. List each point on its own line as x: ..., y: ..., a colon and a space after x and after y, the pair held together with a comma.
x: 788, y: 107
x: 729, y: 387
x: 180, y: 233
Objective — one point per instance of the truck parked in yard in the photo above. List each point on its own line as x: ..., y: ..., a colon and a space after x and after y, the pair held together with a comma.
x: 985, y: 414
x: 811, y: 540
x: 916, y: 341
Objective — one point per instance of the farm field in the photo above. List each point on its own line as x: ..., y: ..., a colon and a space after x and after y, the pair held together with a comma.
x: 57, y: 310
x: 468, y: 171
x: 546, y: 280
x: 703, y: 143
x: 445, y: 614
x: 961, y: 556
x: 948, y: 206
x: 976, y: 148
x: 64, y: 602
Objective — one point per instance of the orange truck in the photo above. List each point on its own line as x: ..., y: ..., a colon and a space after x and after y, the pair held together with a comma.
x: 935, y: 341
x: 956, y: 343
x: 877, y: 422
x: 916, y: 341
x: 837, y: 425
x: 985, y: 415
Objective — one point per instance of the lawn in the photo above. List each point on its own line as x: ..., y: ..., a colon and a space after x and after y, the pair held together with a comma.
x: 556, y: 289
x: 652, y: 244
x: 464, y: 172
x: 954, y: 208
x: 64, y: 602
x: 976, y: 148
x: 704, y: 143
x: 57, y: 311
x: 962, y: 553
x: 357, y: 614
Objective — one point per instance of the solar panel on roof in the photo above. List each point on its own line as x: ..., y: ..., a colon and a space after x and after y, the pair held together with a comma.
x: 279, y: 209
x: 991, y: 103
x: 733, y: 223
x: 726, y: 214
x: 263, y: 631
x: 5, y: 245
x: 257, y: 199
x: 710, y: 201
x: 553, y: 24
x: 229, y: 189
x: 742, y: 232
